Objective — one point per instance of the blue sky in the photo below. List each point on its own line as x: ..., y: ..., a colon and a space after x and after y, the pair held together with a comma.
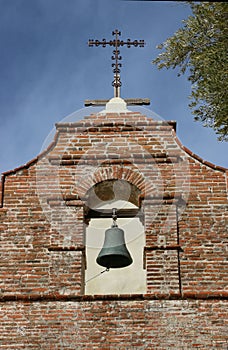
x: 47, y: 70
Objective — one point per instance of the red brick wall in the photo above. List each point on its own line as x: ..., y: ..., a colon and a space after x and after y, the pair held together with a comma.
x: 111, y: 324
x: 42, y: 226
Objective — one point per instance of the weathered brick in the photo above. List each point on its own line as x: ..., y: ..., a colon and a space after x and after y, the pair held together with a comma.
x: 42, y: 225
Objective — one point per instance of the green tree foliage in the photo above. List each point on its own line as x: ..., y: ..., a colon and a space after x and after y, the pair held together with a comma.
x: 199, y: 48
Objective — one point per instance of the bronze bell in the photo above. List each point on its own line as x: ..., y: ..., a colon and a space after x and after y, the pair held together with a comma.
x: 114, y: 253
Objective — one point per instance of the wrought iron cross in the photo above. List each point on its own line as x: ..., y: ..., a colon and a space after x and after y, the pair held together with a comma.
x: 116, y: 55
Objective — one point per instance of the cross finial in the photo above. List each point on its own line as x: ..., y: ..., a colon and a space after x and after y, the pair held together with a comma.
x: 116, y: 55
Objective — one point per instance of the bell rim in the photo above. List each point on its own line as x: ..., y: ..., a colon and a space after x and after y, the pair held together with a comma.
x: 114, y: 265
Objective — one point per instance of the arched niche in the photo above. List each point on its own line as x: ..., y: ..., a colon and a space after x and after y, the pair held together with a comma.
x: 100, y: 200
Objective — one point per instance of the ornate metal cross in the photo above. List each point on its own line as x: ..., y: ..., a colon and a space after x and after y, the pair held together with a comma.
x: 116, y: 55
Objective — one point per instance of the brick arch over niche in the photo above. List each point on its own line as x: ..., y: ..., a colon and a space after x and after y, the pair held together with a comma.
x: 112, y: 191
x: 108, y: 172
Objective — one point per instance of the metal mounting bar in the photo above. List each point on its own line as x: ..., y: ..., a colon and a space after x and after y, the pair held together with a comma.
x: 107, y: 213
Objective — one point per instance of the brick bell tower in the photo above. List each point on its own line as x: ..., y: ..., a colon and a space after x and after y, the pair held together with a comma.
x: 55, y: 210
